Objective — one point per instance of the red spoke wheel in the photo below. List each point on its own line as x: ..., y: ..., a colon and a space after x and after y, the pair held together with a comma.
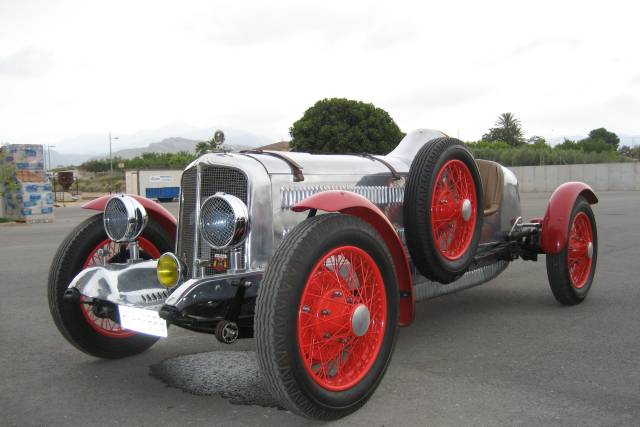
x: 443, y: 209
x: 454, y: 209
x: 571, y: 271
x: 580, y: 250
x: 103, y: 325
x: 341, y: 318
x: 86, y: 246
x: 326, y: 316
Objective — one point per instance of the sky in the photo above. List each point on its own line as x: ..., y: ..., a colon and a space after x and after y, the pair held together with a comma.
x: 75, y: 68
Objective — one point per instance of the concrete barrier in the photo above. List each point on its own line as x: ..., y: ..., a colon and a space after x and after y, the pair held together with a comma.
x: 601, y: 176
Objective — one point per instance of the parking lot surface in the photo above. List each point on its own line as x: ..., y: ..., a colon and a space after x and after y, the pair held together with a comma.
x: 504, y: 353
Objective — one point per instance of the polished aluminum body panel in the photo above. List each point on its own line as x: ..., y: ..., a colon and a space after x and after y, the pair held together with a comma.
x: 271, y: 193
x: 274, y: 190
x: 133, y: 284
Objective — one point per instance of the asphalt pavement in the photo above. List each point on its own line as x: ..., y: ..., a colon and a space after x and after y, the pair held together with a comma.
x: 504, y: 353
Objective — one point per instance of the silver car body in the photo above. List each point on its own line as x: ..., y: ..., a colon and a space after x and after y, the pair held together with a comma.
x: 268, y: 185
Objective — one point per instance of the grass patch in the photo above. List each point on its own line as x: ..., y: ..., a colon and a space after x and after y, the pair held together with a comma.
x: 3, y: 220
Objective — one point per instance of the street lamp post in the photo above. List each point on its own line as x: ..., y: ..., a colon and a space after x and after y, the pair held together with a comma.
x: 49, y: 155
x: 110, y: 158
x: 52, y: 178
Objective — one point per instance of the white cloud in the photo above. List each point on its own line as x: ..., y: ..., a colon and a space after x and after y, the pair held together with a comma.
x: 26, y: 62
x: 129, y: 66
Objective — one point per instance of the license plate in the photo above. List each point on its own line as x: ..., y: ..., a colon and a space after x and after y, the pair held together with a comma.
x: 141, y: 320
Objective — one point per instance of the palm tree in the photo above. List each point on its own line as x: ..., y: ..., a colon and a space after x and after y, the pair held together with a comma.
x: 508, y: 129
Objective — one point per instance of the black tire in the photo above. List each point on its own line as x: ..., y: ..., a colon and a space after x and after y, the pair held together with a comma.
x: 68, y: 317
x: 277, y: 309
x: 418, y: 193
x: 558, y: 270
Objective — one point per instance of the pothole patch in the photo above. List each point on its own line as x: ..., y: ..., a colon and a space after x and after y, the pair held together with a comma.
x: 234, y: 375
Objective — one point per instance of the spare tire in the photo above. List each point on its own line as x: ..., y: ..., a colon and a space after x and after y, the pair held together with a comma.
x: 443, y: 209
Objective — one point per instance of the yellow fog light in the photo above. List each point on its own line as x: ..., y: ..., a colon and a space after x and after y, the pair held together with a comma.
x: 169, y: 270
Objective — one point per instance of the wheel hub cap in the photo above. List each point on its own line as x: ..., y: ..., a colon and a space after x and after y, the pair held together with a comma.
x: 466, y: 209
x: 360, y: 320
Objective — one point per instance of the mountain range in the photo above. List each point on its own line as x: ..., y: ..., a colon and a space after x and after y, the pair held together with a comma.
x: 78, y: 149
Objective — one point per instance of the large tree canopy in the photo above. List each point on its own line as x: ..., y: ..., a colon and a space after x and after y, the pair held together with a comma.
x: 507, y: 129
x: 605, y: 136
x: 339, y: 125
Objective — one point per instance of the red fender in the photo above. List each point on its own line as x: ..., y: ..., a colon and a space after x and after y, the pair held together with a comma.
x: 155, y: 211
x: 353, y: 204
x: 555, y: 225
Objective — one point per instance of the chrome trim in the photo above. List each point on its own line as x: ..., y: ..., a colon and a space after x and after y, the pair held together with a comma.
x: 426, y: 289
x: 196, y: 269
x: 240, y: 221
x: 377, y: 194
x: 129, y: 284
x: 136, y: 218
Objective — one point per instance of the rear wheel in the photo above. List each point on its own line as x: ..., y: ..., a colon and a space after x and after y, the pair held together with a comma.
x: 326, y: 316
x: 443, y: 209
x: 83, y: 324
x: 571, y: 271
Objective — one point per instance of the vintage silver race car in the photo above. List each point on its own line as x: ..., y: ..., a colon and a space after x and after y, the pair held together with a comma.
x: 319, y: 257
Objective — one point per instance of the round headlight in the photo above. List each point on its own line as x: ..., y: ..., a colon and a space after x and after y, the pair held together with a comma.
x: 169, y: 270
x: 124, y: 218
x: 224, y: 220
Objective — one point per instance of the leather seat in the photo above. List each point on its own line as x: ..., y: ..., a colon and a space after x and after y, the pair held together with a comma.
x: 492, y: 185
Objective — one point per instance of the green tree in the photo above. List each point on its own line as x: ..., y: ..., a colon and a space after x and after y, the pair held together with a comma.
x: 594, y: 145
x: 507, y: 129
x: 8, y: 181
x: 567, y: 144
x: 633, y: 152
x: 209, y: 146
x: 537, y: 142
x: 606, y: 136
x: 339, y: 125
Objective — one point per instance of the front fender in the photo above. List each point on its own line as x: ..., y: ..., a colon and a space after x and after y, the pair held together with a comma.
x: 156, y: 212
x: 353, y: 204
x: 555, y: 224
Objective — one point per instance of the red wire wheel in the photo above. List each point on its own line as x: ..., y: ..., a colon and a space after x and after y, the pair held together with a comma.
x: 454, y: 209
x: 78, y: 322
x: 342, y: 317
x: 571, y: 271
x: 580, y: 248
x: 104, y: 326
x: 442, y: 211
x: 326, y: 317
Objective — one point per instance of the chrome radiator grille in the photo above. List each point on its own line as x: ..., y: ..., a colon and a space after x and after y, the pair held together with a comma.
x: 187, y: 226
x: 212, y: 179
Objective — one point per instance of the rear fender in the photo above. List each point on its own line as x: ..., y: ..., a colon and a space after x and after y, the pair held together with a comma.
x: 353, y: 204
x: 155, y: 211
x: 555, y: 224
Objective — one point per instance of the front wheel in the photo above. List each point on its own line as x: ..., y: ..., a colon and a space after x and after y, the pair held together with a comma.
x: 327, y: 316
x: 571, y: 271
x: 83, y: 324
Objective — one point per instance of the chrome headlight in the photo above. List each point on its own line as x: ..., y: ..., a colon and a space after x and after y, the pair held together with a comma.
x: 124, y: 218
x: 224, y: 220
